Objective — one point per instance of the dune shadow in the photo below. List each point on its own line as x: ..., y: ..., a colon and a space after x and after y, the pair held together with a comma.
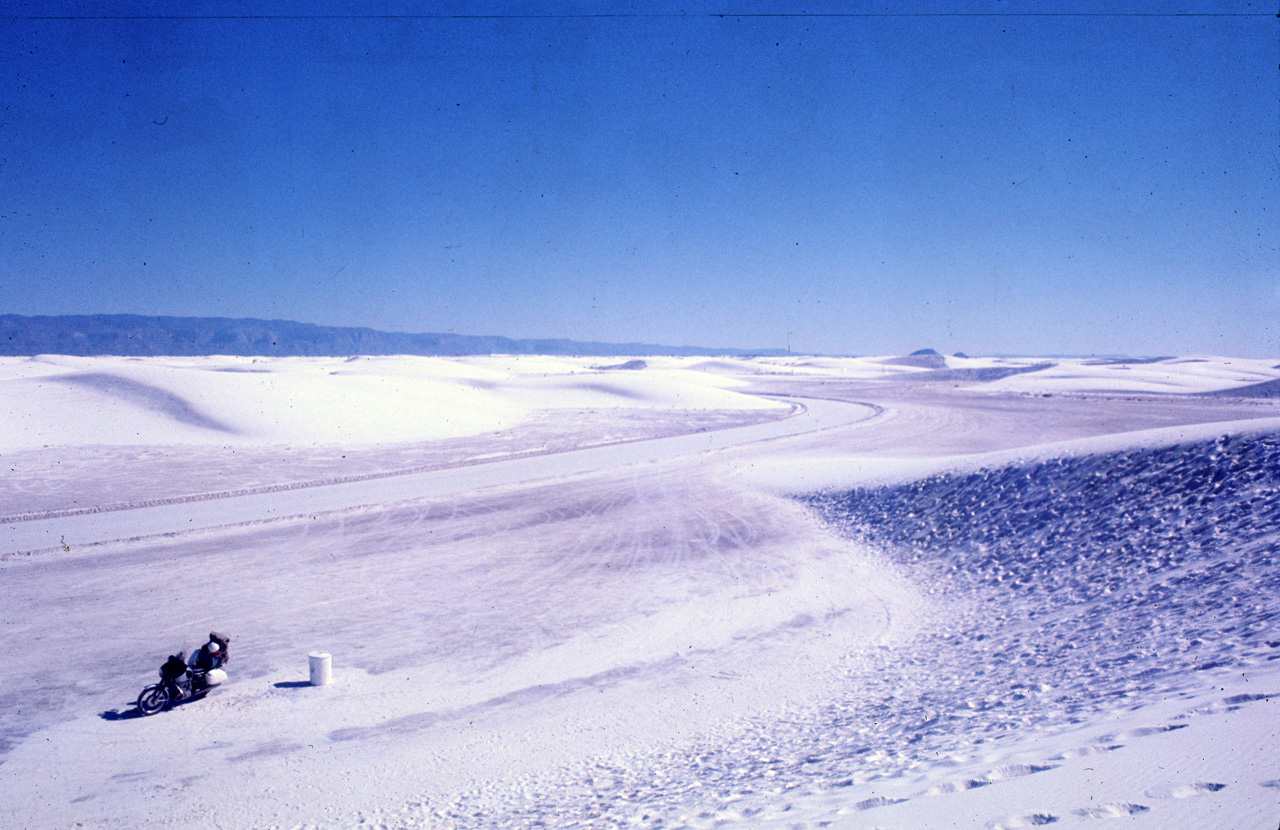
x: 630, y: 365
x: 607, y: 389
x: 1266, y: 389
x: 148, y: 397
x: 293, y: 684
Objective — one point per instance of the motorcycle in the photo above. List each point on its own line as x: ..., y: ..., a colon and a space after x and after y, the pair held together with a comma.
x: 175, y: 687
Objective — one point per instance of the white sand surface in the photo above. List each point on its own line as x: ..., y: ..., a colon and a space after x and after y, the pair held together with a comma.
x: 929, y: 601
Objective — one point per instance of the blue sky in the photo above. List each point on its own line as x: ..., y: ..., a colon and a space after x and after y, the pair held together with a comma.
x: 838, y: 183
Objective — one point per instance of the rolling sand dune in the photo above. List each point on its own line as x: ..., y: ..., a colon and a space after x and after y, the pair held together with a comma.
x: 70, y: 401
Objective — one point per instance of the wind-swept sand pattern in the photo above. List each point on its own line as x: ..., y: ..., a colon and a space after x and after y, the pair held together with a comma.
x: 925, y: 601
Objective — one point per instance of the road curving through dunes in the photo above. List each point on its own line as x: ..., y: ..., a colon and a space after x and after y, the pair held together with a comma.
x: 67, y: 532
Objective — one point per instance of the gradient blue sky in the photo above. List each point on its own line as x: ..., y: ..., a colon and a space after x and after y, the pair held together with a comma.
x: 1088, y: 183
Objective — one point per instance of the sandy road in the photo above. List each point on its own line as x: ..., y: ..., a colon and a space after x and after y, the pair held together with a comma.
x: 203, y: 513
x: 887, y: 420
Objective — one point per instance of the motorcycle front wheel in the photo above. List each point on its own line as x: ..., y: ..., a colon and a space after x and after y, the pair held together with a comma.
x: 153, y: 699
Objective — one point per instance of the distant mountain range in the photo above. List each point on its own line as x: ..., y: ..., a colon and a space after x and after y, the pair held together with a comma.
x: 132, y: 334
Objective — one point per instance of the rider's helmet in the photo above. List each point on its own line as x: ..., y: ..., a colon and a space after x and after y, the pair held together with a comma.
x: 213, y: 648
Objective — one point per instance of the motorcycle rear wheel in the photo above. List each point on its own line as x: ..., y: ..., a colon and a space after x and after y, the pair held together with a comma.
x: 153, y: 699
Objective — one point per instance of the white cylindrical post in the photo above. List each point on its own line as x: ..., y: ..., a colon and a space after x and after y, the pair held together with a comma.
x: 321, y: 668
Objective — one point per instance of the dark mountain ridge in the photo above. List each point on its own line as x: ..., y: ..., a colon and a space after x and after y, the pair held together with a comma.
x: 140, y: 335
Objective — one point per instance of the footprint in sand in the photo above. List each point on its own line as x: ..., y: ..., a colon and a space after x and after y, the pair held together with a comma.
x: 1229, y: 704
x: 998, y: 774
x: 1085, y: 751
x: 1186, y: 790
x: 878, y: 801
x: 1116, y: 810
x: 1141, y: 732
x: 957, y: 786
x: 1027, y: 820
x: 1016, y: 771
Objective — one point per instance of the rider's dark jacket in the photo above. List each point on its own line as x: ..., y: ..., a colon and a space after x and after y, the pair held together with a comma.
x: 205, y: 660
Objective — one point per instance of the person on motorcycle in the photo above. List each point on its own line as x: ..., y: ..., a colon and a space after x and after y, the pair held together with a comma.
x: 212, y: 655
x: 223, y: 641
x: 209, y: 656
x: 181, y: 680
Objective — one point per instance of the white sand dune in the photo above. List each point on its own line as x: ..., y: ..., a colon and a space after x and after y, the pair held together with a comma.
x: 930, y: 601
x: 1174, y: 375
x: 69, y: 401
